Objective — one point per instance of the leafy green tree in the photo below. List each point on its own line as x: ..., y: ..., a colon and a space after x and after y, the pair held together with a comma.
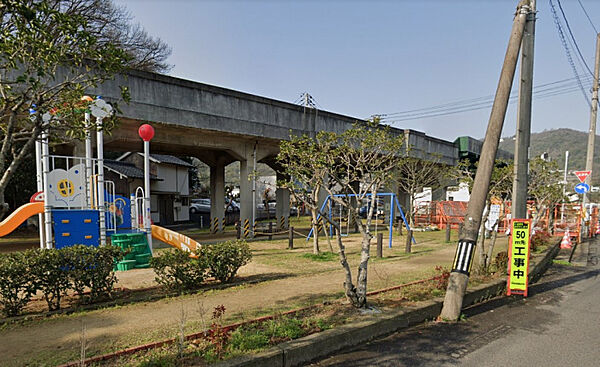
x: 48, y: 57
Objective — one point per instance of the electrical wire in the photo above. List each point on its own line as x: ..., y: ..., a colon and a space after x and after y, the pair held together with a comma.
x: 568, y: 52
x: 573, y: 37
x: 540, y: 91
x: 481, y: 107
x: 588, y: 17
x: 479, y: 101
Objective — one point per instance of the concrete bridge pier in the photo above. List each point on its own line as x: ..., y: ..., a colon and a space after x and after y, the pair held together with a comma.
x: 282, y: 209
x: 246, y: 218
x: 217, y: 195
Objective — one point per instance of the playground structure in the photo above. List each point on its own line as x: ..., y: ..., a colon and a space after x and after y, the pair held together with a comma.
x: 76, y: 205
x: 334, y: 208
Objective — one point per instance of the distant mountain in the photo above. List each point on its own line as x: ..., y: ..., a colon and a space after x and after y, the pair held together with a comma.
x: 555, y: 143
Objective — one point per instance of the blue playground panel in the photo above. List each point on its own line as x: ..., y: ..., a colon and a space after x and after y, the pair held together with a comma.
x: 76, y: 227
x: 121, y: 208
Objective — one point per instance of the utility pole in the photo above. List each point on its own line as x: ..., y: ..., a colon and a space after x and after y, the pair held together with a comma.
x: 562, y: 208
x: 457, y: 283
x: 521, y: 166
x: 589, y: 161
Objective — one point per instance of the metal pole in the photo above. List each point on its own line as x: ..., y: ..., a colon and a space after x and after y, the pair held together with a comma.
x: 254, y: 191
x: 589, y: 161
x: 100, y: 182
x: 88, y: 160
x: 40, y: 186
x: 523, y: 133
x: 391, y: 231
x: 562, y: 209
x: 459, y: 277
x: 147, y: 212
x: 45, y: 174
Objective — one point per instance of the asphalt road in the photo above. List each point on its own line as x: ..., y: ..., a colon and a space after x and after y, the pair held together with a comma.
x: 558, y: 325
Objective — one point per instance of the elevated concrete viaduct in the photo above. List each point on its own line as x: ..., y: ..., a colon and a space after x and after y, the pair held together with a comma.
x: 220, y: 126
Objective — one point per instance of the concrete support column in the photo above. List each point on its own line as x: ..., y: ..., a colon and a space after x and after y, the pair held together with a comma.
x: 217, y: 196
x: 246, y: 196
x: 282, y: 208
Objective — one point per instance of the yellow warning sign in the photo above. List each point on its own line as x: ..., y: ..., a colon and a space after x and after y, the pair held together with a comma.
x: 518, y: 264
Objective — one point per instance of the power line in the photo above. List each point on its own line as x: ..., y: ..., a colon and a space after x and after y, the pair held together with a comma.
x: 488, y: 98
x: 588, y: 17
x: 474, y: 108
x: 541, y: 90
x: 573, y: 37
x: 568, y: 52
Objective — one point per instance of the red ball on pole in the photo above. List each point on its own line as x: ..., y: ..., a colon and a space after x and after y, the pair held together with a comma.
x: 146, y: 132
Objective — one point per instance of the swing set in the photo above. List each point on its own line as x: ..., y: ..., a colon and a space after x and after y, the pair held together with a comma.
x: 394, y: 204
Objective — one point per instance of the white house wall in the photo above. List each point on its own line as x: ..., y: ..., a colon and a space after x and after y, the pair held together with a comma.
x: 182, y: 183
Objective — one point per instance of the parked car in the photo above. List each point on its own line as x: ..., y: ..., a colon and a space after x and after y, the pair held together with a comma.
x: 203, y: 206
x: 199, y: 206
x: 377, y: 213
x: 231, y: 206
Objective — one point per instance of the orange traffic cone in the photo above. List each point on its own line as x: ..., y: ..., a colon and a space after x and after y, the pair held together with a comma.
x: 566, y: 241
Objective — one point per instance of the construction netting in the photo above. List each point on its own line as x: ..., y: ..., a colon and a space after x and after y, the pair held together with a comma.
x: 440, y: 214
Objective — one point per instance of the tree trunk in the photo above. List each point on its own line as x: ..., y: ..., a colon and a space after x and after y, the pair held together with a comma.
x: 327, y: 237
x: 349, y: 287
x: 315, y: 228
x: 361, y: 278
x: 481, y: 239
x: 538, y: 215
x: 9, y: 171
x: 490, y: 253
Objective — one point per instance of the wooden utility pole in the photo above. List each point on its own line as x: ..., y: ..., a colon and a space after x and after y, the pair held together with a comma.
x: 457, y: 284
x: 589, y: 161
x: 522, y: 137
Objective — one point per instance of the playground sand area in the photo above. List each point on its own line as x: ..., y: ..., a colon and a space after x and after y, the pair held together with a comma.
x: 276, y: 280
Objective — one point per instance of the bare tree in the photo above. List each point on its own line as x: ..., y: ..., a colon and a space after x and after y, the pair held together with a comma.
x: 544, y: 186
x: 304, y: 161
x: 113, y: 24
x: 413, y: 175
x: 500, y: 190
x: 357, y: 164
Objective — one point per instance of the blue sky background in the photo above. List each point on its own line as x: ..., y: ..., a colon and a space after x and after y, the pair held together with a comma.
x: 360, y: 58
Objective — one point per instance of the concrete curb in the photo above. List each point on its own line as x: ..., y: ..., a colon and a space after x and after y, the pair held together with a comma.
x: 303, y: 350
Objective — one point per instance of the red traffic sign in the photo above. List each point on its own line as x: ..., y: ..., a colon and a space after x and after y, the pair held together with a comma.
x: 582, y: 175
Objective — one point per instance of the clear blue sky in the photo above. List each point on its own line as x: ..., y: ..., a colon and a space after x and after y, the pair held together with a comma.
x: 360, y: 58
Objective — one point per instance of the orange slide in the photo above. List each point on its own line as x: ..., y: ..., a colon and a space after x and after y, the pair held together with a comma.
x: 19, y: 216
x: 176, y: 240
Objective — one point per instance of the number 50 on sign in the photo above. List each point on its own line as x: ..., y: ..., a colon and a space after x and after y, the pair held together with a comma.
x: 518, y: 257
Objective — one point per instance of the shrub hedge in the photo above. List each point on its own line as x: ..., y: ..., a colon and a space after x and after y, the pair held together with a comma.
x: 177, y: 271
x: 55, y: 272
x: 225, y: 258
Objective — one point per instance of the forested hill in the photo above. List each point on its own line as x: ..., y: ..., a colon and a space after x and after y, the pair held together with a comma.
x: 556, y: 142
